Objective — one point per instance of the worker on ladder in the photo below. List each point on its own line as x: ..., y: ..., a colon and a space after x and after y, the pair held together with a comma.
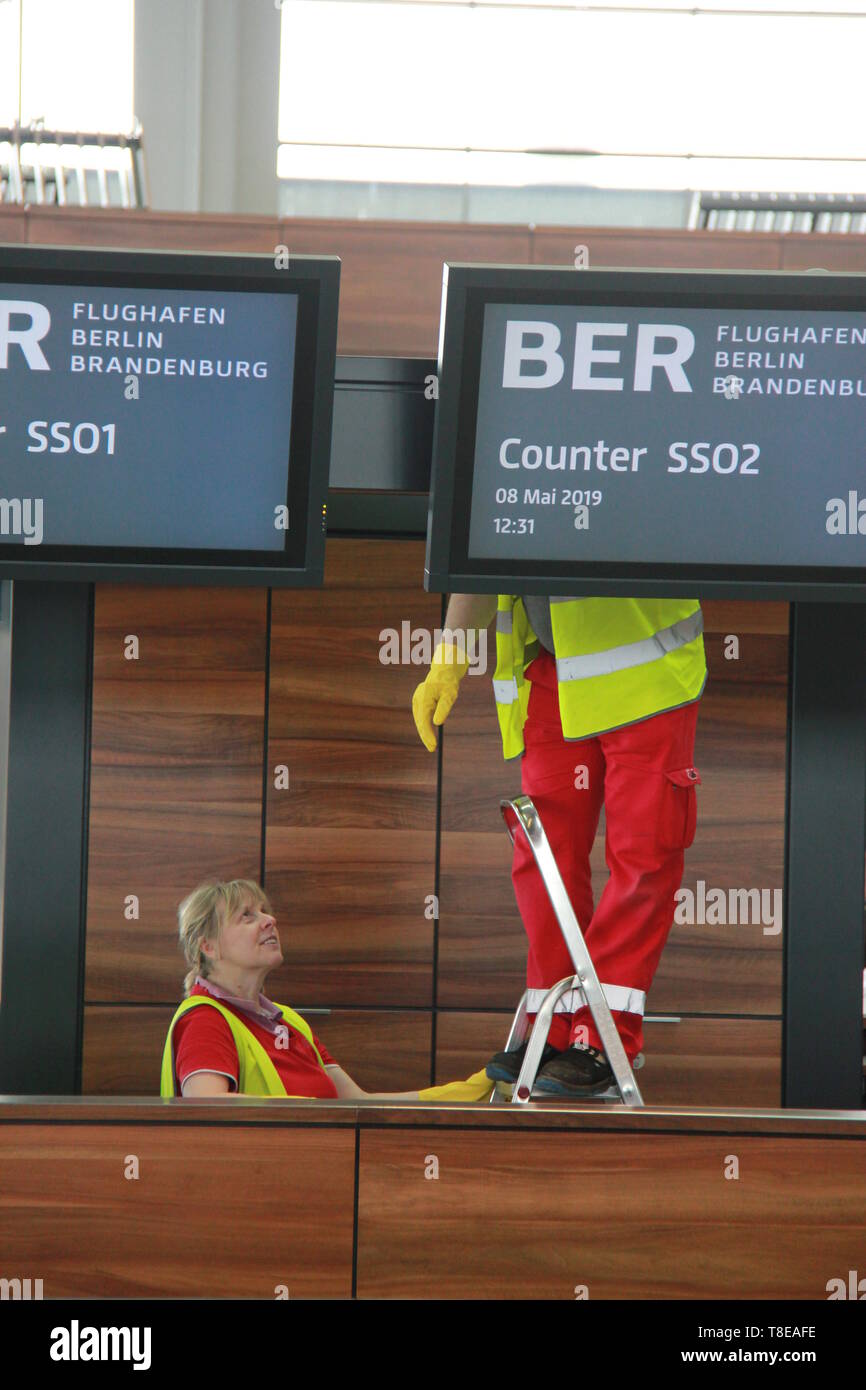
x: 598, y: 697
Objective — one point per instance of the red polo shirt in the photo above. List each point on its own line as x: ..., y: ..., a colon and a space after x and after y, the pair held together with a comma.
x: 203, y: 1042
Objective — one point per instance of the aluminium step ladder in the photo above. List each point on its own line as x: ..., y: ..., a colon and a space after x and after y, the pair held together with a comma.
x: 520, y: 812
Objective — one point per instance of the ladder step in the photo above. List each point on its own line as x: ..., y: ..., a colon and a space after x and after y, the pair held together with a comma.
x: 505, y: 1093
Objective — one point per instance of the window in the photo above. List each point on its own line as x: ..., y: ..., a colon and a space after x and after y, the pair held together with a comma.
x: 68, y: 63
x: 447, y: 93
x: 66, y: 66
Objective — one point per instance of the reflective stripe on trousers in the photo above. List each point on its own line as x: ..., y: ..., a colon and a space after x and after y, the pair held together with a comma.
x: 619, y: 997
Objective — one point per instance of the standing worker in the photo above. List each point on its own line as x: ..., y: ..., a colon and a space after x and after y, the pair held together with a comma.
x: 598, y: 697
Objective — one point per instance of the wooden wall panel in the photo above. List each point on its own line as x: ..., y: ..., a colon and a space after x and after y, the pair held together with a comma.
x: 637, y: 1216
x: 392, y: 271
x: 381, y: 1049
x: 176, y: 771
x: 154, y: 231
x: 657, y: 247
x: 14, y: 223
x: 808, y: 251
x: 739, y: 843
x: 351, y: 844
x: 391, y: 276
x: 740, y: 750
x: 696, y: 1061
x: 123, y: 1048
x: 277, y: 1208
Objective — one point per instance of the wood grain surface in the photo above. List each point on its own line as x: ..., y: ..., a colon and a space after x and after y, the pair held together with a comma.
x: 351, y: 845
x: 692, y: 1061
x: 214, y: 1211
x: 381, y: 1049
x: 547, y: 1216
x: 176, y: 772
x: 391, y: 276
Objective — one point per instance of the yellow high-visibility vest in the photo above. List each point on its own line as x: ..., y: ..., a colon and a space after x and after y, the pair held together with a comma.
x: 257, y: 1075
x: 618, y: 660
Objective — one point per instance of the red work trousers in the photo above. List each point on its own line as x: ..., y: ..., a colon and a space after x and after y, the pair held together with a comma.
x: 644, y: 775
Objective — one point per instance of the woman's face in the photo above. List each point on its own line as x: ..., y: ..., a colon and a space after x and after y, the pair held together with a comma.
x: 249, y: 939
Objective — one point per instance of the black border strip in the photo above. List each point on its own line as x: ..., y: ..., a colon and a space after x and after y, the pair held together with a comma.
x: 266, y: 743
x: 85, y: 837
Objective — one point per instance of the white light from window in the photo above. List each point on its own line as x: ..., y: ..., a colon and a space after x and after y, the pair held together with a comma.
x: 430, y: 168
x: 518, y: 78
x: 8, y: 63
x: 77, y: 64
x: 729, y: 6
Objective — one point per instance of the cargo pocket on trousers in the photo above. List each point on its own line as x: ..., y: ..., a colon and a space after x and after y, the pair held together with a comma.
x: 679, y: 819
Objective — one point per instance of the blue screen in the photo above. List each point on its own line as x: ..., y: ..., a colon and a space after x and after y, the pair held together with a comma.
x: 152, y: 418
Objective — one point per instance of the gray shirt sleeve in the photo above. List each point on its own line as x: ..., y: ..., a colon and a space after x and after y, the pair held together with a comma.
x: 538, y: 612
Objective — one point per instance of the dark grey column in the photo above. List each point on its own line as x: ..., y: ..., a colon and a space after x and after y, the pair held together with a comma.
x: 42, y: 983
x: 825, y: 839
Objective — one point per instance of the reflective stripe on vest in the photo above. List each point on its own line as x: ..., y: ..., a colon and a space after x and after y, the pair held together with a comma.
x: 505, y: 691
x: 257, y: 1074
x: 667, y: 639
x: 618, y: 661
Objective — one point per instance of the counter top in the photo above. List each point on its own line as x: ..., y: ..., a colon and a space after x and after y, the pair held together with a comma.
x: 548, y: 1115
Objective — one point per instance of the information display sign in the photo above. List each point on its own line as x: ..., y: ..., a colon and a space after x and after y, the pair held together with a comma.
x: 638, y: 431
x: 165, y: 416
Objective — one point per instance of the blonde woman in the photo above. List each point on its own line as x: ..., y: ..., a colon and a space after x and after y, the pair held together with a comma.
x: 227, y: 1038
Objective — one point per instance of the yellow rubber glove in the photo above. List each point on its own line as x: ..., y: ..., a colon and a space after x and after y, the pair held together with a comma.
x: 438, y: 691
x: 474, y: 1088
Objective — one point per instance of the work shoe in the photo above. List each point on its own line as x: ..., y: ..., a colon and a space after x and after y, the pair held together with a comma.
x: 505, y: 1066
x: 579, y: 1071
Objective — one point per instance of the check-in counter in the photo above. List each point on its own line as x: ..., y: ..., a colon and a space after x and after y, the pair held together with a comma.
x: 245, y: 1198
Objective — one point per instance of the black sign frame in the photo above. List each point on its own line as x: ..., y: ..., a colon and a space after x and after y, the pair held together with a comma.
x: 466, y: 290
x: 316, y: 282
